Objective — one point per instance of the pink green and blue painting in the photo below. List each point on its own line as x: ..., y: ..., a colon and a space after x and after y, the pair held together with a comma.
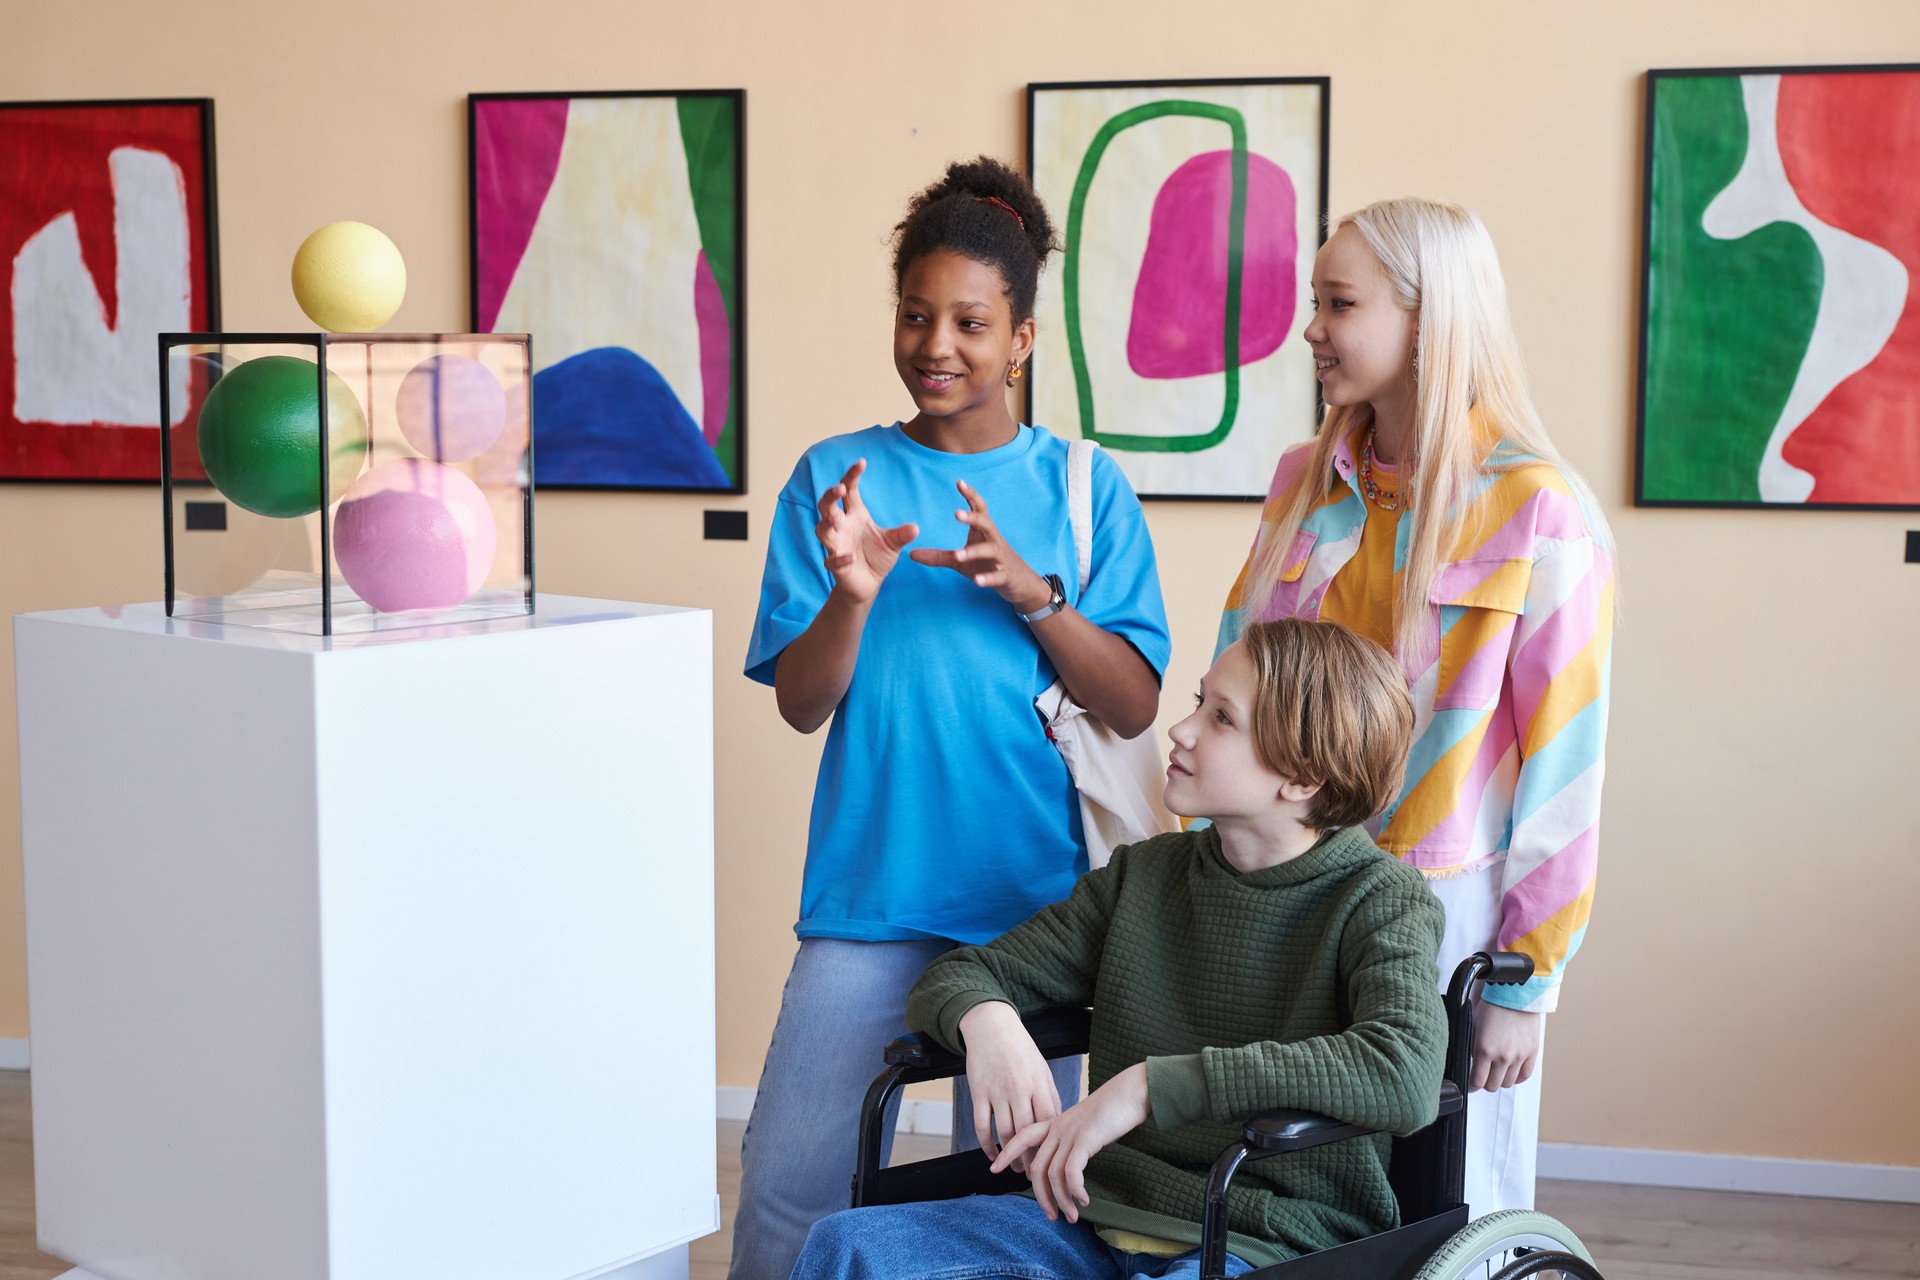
x: 1781, y: 332
x: 609, y: 227
x: 1170, y: 326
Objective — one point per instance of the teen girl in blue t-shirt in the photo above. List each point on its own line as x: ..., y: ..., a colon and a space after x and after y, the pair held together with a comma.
x: 942, y: 813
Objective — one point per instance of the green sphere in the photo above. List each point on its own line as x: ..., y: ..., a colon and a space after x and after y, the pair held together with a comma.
x: 260, y: 436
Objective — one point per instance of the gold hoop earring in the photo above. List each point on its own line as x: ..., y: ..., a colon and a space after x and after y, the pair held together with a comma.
x: 1013, y: 373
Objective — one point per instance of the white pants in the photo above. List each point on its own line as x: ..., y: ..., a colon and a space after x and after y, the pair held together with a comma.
x: 1503, y: 1127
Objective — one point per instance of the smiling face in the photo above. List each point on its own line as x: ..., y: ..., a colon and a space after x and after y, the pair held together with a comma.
x: 954, y: 337
x: 1362, y: 338
x: 1214, y: 770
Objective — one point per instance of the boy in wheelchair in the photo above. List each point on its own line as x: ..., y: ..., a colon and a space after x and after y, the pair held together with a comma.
x: 1274, y: 959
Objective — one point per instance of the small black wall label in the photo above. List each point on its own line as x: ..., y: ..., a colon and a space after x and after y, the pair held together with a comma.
x: 207, y: 515
x: 727, y: 526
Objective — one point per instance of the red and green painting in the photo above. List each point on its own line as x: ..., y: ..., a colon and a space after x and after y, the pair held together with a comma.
x: 1781, y: 327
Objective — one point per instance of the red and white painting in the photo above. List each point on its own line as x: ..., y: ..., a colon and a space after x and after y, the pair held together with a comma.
x: 106, y: 241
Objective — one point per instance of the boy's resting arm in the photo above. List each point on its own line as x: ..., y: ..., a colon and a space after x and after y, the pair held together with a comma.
x: 1382, y: 1072
x: 1049, y: 959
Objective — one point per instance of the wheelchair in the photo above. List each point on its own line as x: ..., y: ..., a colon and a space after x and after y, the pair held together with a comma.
x: 1435, y: 1240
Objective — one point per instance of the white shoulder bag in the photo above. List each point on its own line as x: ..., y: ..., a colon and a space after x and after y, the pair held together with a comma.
x: 1119, y: 779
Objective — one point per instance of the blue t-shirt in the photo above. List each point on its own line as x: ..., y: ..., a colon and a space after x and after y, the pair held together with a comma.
x: 942, y: 810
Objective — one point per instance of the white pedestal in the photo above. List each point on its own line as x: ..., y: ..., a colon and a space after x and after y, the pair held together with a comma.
x: 385, y: 958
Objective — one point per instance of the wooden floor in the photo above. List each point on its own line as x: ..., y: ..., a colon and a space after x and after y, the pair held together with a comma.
x: 1635, y: 1233
x: 19, y: 1260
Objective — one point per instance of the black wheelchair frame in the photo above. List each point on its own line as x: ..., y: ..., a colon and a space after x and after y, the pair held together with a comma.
x: 1427, y: 1170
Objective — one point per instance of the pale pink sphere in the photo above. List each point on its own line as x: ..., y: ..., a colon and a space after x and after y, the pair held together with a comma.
x: 412, y: 534
x: 451, y: 408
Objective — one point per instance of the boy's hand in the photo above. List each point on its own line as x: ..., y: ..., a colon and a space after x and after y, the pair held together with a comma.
x: 1061, y: 1147
x: 1011, y: 1083
x: 1506, y: 1046
x: 987, y: 560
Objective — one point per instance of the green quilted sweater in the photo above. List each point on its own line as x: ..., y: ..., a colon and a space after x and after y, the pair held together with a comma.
x: 1311, y: 984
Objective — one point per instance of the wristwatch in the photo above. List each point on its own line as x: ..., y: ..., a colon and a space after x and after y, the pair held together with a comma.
x: 1054, y: 605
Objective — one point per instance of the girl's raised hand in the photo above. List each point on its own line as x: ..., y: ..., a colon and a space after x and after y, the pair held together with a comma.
x: 987, y: 560
x: 859, y: 553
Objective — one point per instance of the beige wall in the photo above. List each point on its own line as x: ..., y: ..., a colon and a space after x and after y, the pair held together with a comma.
x: 1746, y: 983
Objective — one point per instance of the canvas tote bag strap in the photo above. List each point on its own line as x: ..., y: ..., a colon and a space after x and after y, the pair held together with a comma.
x: 1080, y: 504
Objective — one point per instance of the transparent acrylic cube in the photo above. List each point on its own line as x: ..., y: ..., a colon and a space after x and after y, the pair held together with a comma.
x: 329, y: 484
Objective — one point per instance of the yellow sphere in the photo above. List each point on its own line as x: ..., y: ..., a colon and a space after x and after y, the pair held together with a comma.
x: 349, y: 278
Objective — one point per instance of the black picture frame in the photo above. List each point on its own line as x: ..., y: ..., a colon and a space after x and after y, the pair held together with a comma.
x: 737, y: 318
x: 1649, y: 425
x: 1063, y: 206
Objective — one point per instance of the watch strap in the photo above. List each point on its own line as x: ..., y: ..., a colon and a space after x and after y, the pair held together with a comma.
x: 1053, y: 605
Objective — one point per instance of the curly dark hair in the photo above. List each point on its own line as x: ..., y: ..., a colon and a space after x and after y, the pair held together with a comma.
x: 959, y: 213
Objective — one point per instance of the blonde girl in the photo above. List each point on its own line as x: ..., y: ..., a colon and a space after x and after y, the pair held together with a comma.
x: 1432, y: 514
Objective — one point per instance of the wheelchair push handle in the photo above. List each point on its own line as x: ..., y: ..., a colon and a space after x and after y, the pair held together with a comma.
x: 1505, y: 968
x: 1501, y: 968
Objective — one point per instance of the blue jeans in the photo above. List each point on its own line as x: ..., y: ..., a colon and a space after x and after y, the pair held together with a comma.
x: 843, y: 1002
x: 976, y: 1238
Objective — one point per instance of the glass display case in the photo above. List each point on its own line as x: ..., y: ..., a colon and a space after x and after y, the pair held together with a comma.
x: 336, y: 483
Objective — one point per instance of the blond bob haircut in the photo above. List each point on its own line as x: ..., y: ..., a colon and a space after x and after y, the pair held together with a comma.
x: 1470, y: 394
x: 1330, y: 707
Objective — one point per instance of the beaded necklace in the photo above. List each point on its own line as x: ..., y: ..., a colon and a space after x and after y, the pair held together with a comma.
x: 1385, y: 499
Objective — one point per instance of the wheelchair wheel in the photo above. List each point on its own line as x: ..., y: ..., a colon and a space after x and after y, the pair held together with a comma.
x: 1509, y: 1245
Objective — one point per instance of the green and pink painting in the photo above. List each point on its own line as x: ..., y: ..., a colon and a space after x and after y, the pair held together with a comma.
x: 1170, y: 326
x: 609, y: 227
x: 1781, y: 327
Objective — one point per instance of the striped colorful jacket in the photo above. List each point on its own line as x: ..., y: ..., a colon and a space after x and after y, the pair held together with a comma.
x: 1511, y: 729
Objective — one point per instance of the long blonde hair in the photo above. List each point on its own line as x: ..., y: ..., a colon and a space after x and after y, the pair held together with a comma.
x: 1470, y: 394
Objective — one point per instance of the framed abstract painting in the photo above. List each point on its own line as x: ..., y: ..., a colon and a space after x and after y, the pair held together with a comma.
x: 1190, y: 212
x: 107, y: 238
x: 610, y: 227
x: 1780, y: 318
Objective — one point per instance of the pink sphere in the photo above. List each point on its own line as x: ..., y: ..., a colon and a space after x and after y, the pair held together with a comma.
x: 451, y: 408
x: 412, y: 534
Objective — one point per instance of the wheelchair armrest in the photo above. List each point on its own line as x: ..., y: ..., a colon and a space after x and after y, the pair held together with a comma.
x: 1059, y: 1032
x: 912, y: 1050
x: 1289, y: 1129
